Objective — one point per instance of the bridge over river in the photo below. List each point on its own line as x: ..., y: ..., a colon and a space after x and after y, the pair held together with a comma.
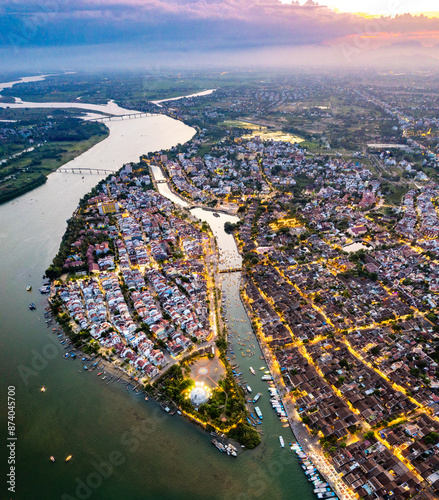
x: 84, y: 170
x: 130, y: 116
x: 230, y: 270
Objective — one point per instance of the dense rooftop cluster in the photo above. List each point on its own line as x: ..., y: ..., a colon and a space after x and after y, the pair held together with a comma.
x: 144, y: 298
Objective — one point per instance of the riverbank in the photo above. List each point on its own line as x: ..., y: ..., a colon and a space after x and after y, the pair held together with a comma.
x: 310, y: 444
x: 32, y: 168
x: 226, y: 210
x: 197, y: 94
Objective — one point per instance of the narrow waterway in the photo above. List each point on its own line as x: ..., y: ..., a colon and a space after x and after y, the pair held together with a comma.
x: 123, y: 447
x: 229, y: 256
x: 245, y: 352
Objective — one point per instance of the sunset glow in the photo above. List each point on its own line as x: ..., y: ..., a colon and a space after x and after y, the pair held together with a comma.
x: 279, y: 31
x: 384, y: 8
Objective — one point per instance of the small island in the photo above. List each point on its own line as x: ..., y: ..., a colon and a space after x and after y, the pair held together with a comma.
x: 134, y: 282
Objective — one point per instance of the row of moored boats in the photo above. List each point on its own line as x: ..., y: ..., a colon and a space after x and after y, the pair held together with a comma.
x: 226, y: 448
x: 321, y: 488
x: 276, y: 403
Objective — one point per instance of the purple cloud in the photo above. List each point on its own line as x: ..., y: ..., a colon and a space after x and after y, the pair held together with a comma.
x: 198, y: 25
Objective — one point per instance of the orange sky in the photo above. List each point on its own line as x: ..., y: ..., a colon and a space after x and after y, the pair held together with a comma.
x: 379, y: 7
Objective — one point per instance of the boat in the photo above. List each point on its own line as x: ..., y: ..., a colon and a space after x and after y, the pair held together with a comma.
x: 282, y: 443
x: 69, y: 458
x: 218, y: 445
x: 249, y: 389
x: 52, y: 458
x: 266, y: 377
x: 43, y: 389
x: 29, y: 288
x: 258, y: 412
x: 252, y: 370
x: 327, y: 494
x: 262, y: 368
x: 32, y: 306
x: 216, y: 214
x: 100, y: 373
x: 256, y: 398
x: 231, y: 450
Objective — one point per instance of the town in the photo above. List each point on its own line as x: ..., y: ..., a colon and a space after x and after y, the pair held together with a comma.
x: 340, y: 279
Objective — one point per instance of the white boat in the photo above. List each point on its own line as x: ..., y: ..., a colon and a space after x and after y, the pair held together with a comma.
x: 281, y: 439
x: 256, y: 398
x: 258, y: 412
x: 252, y: 370
x: 328, y: 494
x: 249, y: 389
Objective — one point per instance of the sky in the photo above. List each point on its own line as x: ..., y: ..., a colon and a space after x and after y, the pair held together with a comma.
x: 75, y: 34
x: 380, y: 7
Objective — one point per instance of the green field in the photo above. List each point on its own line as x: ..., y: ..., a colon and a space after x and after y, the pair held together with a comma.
x: 30, y: 170
x: 131, y: 88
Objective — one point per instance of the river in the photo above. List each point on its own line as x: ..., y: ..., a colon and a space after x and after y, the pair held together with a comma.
x: 204, y: 92
x: 24, y: 79
x: 280, y: 462
x: 110, y: 108
x: 123, y: 447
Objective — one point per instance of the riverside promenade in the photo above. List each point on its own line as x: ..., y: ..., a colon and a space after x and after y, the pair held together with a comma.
x: 309, y: 443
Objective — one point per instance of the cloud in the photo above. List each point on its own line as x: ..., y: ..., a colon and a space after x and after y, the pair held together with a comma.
x: 197, y: 25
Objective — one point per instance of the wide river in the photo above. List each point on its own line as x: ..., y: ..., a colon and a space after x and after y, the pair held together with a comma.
x: 154, y: 455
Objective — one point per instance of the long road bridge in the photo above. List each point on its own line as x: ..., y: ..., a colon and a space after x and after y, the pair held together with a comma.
x: 86, y: 170
x: 114, y: 118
